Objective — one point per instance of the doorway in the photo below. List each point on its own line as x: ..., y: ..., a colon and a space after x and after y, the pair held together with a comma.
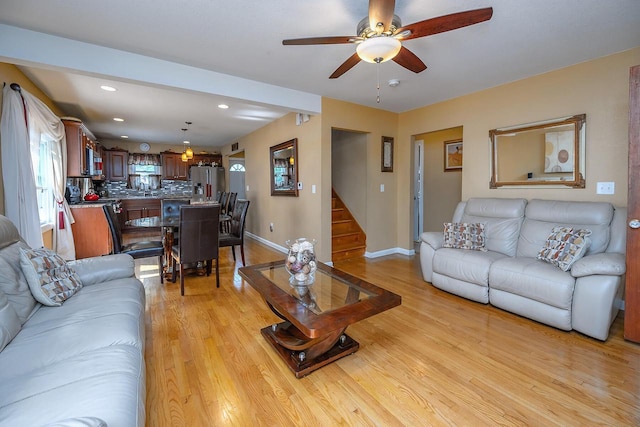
x: 237, y: 172
x: 438, y: 191
x: 349, y: 171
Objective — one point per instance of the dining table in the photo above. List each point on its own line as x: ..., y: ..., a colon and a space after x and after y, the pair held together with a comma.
x: 168, y: 224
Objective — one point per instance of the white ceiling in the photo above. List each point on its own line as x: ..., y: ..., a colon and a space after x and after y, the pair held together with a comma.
x: 174, y: 61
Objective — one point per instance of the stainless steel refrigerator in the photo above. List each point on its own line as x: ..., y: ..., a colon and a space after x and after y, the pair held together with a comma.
x: 207, y: 181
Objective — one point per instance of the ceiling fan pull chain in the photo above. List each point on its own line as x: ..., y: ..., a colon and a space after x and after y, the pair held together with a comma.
x: 378, y: 73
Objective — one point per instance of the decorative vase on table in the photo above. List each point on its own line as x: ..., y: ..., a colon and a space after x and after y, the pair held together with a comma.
x: 301, y: 261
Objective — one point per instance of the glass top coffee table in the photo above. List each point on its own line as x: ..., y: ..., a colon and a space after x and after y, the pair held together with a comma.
x: 316, y: 316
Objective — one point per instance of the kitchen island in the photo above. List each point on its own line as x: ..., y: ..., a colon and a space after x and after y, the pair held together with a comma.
x: 91, y: 234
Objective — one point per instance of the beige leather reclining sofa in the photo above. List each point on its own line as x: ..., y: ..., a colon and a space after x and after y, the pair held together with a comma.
x: 507, y: 273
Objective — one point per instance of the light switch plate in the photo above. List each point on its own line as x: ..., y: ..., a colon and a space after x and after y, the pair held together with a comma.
x: 300, y: 185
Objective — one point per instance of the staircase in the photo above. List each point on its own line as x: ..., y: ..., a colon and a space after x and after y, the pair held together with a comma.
x: 347, y: 238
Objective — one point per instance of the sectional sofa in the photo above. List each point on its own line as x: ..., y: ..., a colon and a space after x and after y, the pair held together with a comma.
x: 557, y: 262
x: 80, y: 363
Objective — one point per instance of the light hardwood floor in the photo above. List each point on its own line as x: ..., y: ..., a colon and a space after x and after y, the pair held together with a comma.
x: 437, y: 359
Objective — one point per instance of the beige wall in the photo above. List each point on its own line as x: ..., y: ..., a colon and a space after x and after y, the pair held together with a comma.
x: 598, y: 88
x: 292, y: 217
x: 348, y: 171
x: 9, y: 73
x: 441, y: 190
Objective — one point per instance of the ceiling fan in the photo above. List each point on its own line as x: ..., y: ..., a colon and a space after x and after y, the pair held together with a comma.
x: 380, y: 34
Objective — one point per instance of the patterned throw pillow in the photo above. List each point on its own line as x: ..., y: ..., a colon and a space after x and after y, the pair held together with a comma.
x: 464, y: 235
x: 564, y: 246
x: 50, y: 279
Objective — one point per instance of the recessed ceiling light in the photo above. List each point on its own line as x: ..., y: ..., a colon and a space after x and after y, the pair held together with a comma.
x: 186, y: 142
x: 124, y: 137
x: 108, y: 88
x: 223, y: 106
x: 118, y: 119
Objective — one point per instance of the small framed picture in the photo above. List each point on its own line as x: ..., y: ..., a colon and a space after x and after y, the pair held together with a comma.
x: 387, y: 154
x: 453, y: 155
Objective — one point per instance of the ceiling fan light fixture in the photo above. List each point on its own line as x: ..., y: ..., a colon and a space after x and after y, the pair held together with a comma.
x: 378, y: 49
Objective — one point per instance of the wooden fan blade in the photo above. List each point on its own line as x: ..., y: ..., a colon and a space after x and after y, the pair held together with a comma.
x: 444, y: 23
x: 381, y: 11
x: 322, y: 40
x: 346, y: 66
x: 409, y: 60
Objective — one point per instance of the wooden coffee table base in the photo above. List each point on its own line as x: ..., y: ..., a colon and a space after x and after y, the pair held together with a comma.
x: 304, y: 355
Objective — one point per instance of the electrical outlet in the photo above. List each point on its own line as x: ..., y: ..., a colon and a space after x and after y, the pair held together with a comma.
x: 606, y: 188
x: 271, y: 227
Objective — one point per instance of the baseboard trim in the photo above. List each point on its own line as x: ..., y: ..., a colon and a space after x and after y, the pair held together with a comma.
x: 266, y: 242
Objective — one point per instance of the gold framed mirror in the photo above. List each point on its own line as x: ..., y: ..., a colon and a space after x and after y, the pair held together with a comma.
x: 284, y: 168
x: 549, y: 153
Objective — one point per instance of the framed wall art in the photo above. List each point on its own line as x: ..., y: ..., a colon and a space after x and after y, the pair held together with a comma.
x: 453, y: 155
x: 387, y: 154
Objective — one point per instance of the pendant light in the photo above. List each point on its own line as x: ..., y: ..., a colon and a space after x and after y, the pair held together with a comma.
x: 188, y: 153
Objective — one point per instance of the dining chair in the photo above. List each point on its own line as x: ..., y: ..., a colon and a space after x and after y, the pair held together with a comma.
x: 197, y: 240
x: 224, y: 200
x: 231, y: 202
x: 137, y: 250
x: 235, y: 236
x: 171, y: 207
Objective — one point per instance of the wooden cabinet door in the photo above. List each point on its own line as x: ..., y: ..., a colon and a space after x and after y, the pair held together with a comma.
x: 182, y: 169
x: 173, y: 167
x: 117, y: 165
x: 91, y: 234
x: 168, y: 166
x: 75, y: 148
x: 138, y: 208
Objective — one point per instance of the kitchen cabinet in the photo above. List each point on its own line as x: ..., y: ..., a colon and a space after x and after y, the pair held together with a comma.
x: 91, y: 234
x: 117, y: 165
x: 173, y: 167
x: 138, y: 208
x: 81, y: 149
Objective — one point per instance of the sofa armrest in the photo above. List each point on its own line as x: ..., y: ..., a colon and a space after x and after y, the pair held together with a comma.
x: 102, y: 269
x: 612, y: 264
x: 434, y: 239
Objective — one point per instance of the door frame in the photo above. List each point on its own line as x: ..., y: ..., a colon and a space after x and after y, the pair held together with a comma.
x: 632, y: 281
x: 418, y: 189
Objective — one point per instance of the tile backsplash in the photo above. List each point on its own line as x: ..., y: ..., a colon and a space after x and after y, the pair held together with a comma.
x: 168, y: 187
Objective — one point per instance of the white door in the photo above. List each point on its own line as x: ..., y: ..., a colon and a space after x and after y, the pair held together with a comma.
x: 418, y: 154
x: 236, y: 177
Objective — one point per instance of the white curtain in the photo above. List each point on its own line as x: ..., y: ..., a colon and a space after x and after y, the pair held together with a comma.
x: 17, y: 166
x: 43, y: 121
x: 20, y: 198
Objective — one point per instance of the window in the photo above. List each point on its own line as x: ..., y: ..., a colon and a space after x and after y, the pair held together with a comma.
x: 236, y: 168
x: 43, y: 155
